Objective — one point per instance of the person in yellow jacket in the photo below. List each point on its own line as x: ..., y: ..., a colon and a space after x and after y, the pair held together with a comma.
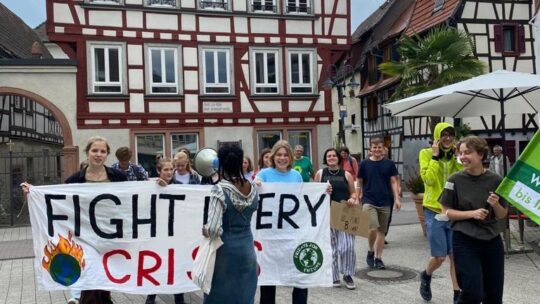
x: 436, y: 164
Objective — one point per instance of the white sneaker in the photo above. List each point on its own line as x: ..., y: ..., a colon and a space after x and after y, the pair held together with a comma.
x: 73, y: 301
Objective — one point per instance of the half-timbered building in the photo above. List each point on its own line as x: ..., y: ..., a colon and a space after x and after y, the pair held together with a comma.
x: 33, y: 141
x: 157, y: 75
x: 375, y: 42
x: 503, y: 38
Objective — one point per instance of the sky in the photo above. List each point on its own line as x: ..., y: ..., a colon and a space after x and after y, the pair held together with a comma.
x: 33, y: 11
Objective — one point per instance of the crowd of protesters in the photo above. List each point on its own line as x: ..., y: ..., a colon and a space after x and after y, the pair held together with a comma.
x: 463, y: 224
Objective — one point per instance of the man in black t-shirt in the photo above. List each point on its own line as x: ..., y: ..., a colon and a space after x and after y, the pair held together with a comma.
x: 378, y: 180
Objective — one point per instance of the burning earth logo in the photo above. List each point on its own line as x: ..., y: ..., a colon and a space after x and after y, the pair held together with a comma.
x: 64, y: 261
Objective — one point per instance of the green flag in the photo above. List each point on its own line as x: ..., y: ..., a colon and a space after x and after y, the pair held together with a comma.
x: 521, y: 187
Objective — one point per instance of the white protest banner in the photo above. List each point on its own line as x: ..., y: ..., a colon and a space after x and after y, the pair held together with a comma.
x: 292, y: 226
x: 138, y: 237
x: 134, y: 237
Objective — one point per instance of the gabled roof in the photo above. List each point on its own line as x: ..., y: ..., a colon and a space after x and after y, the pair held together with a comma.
x: 423, y: 16
x: 16, y: 38
x: 390, y: 20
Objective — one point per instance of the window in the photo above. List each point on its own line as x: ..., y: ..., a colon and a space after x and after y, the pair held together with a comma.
x: 161, y: 3
x: 438, y: 5
x: 298, y: 6
x: 106, y: 68
x: 264, y: 6
x: 301, y: 72
x: 301, y: 137
x: 163, y: 68
x: 267, y: 139
x: 216, y: 70
x: 372, y: 108
x: 147, y: 147
x: 374, y: 74
x: 189, y: 141
x: 509, y: 39
x: 214, y: 4
x: 265, y: 69
x: 108, y: 2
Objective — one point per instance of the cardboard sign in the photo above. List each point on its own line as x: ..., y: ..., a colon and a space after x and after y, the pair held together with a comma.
x: 349, y: 219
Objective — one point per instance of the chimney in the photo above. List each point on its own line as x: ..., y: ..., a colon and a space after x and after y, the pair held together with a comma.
x: 37, y: 50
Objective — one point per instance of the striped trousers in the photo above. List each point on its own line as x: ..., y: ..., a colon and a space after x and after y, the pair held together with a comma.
x: 342, y: 248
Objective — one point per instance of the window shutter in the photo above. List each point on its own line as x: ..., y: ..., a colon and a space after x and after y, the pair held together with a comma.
x: 521, y: 38
x: 498, y: 29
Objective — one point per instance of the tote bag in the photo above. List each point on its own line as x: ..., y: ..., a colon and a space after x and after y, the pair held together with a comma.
x: 203, y: 266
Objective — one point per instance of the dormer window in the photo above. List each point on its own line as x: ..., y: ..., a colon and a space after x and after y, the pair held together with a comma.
x: 106, y: 2
x: 263, y: 6
x: 214, y: 4
x: 161, y: 3
x: 438, y: 5
x: 299, y: 6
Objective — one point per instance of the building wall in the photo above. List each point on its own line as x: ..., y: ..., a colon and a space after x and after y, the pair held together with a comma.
x: 236, y: 116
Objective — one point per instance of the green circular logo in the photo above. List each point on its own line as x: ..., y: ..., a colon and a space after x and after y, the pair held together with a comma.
x: 308, y: 257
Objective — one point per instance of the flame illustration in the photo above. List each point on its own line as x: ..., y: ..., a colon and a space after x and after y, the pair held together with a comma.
x: 64, y: 260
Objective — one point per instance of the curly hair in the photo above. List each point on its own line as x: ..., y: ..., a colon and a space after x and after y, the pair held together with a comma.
x: 231, y: 158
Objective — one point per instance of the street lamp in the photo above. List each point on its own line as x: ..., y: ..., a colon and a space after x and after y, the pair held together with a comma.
x: 336, y: 78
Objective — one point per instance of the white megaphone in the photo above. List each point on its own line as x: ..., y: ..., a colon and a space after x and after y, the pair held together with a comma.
x: 206, y: 162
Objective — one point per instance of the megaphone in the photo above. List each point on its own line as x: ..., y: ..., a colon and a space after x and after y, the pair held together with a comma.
x: 206, y: 162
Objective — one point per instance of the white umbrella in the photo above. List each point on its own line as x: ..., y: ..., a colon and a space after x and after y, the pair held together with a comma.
x: 497, y: 93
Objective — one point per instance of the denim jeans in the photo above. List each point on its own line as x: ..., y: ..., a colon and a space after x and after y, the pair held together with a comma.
x: 479, y: 269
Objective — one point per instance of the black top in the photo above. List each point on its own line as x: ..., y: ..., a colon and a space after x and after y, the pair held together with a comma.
x: 376, y: 177
x: 112, y: 174
x: 340, y: 187
x: 466, y: 192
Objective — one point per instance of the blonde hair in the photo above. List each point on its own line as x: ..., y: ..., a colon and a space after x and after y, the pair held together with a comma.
x: 278, y: 145
x: 183, y: 156
x: 94, y: 139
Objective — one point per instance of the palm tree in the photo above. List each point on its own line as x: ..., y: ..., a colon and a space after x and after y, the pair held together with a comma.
x: 442, y: 57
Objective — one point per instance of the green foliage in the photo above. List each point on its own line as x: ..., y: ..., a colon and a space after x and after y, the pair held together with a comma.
x: 442, y: 57
x: 462, y: 130
x: 415, y: 183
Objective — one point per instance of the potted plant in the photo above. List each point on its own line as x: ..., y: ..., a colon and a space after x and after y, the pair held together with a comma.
x: 416, y: 185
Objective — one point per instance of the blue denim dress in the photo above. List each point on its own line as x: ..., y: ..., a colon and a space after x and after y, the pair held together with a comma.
x: 235, y: 272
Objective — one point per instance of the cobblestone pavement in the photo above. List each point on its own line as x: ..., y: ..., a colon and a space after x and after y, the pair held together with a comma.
x: 407, y: 251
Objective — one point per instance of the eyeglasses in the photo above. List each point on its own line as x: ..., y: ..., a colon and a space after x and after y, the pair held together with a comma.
x: 447, y: 135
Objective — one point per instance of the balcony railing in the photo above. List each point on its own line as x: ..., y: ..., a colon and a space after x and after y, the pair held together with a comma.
x: 298, y: 9
x: 167, y: 3
x: 211, y: 4
x: 259, y: 7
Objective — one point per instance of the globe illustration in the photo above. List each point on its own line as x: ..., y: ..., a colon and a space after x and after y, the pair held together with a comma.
x: 308, y: 257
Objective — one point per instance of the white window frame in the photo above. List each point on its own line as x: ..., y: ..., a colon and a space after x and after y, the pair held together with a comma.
x: 148, y: 3
x: 265, y: 84
x: 193, y: 151
x: 92, y: 83
x: 150, y: 85
x: 105, y: 2
x: 229, y: 69
x: 263, y: 4
x: 309, y: 5
x: 313, y: 70
x: 202, y: 6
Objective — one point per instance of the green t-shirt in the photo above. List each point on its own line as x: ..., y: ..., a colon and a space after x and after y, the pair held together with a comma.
x: 305, y: 167
x: 467, y: 192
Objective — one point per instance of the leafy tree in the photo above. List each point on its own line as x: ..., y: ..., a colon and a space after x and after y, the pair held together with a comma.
x: 445, y: 55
